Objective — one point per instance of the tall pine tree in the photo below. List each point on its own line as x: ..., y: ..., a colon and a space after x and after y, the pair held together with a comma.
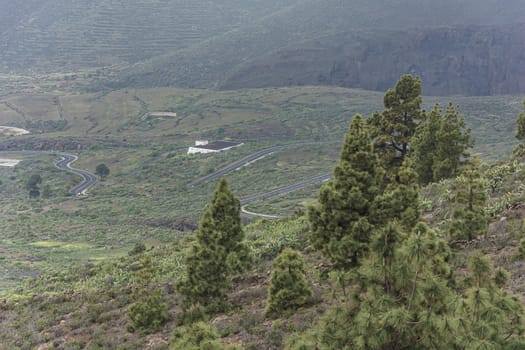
x: 341, y: 226
x: 520, y: 124
x: 218, y: 252
x: 225, y: 213
x: 520, y: 133
x: 394, y: 127
x: 439, y: 144
x: 453, y: 139
x: 425, y: 144
x: 469, y: 218
x: 206, y: 279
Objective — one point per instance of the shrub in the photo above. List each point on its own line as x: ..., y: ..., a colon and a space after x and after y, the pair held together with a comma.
x: 148, y: 314
x: 288, y: 285
x: 197, y: 336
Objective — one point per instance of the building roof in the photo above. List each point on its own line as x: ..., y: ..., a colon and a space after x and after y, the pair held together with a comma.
x: 218, y: 145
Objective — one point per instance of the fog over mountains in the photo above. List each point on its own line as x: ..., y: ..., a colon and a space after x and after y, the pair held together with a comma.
x: 458, y: 47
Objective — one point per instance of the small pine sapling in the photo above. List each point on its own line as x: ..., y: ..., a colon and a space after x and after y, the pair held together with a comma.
x: 288, y: 285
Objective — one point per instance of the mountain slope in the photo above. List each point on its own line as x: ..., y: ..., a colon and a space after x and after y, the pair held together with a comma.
x: 334, y: 34
x: 461, y: 60
x: 234, y: 43
x: 58, y: 34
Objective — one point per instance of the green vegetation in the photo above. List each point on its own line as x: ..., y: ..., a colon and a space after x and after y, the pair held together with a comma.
x: 403, y: 290
x: 342, y: 225
x: 393, y: 128
x: 197, y: 336
x: 33, y: 184
x: 520, y: 124
x: 147, y: 313
x: 520, y: 133
x: 440, y: 145
x: 469, y: 218
x: 218, y: 252
x: 288, y: 285
x: 76, y: 266
x: 102, y: 170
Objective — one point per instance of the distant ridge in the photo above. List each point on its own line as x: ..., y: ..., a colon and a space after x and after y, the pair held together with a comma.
x: 469, y: 47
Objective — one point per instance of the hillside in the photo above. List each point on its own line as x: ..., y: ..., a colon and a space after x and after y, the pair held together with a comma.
x: 356, y: 44
x: 256, y: 115
x: 57, y: 35
x: 74, y: 266
x: 146, y: 195
x: 473, y: 61
x: 470, y: 47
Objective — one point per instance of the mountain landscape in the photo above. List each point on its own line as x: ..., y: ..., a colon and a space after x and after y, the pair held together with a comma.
x: 374, y: 198
x: 458, y: 48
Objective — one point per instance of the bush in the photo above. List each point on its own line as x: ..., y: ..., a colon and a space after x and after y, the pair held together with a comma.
x: 288, y: 286
x: 138, y: 248
x: 521, y: 249
x: 197, y: 336
x: 148, y: 314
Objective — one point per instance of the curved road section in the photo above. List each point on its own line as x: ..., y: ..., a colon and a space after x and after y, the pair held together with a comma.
x: 89, y: 179
x: 237, y: 164
x: 247, y: 161
x: 64, y: 164
x: 281, y: 191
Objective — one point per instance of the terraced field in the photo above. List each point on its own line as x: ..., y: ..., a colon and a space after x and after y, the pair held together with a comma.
x: 77, y: 33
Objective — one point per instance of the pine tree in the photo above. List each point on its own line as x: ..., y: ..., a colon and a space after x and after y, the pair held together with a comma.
x: 414, y: 305
x: 148, y: 312
x: 394, y: 127
x: 404, y: 297
x: 520, y: 124
x: 288, y: 285
x: 340, y: 225
x: 519, y: 151
x: 469, y: 218
x: 217, y: 253
x: 225, y: 211
x: 490, y: 317
x: 439, y: 144
x: 453, y: 139
x: 425, y: 144
x: 206, y: 279
x: 400, y: 200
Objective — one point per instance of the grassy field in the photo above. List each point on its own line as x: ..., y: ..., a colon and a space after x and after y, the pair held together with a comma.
x: 146, y: 196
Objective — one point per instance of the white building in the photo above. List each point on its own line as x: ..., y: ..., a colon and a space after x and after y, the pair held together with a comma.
x: 203, y: 146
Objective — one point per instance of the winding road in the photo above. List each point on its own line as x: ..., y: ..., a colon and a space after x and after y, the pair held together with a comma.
x: 286, y: 189
x: 280, y: 191
x: 257, y: 197
x: 88, y: 179
x: 238, y: 164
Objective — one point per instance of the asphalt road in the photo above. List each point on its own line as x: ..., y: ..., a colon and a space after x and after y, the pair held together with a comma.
x: 279, y: 191
x: 247, y: 160
x: 286, y: 189
x: 89, y: 179
x: 64, y: 164
x: 237, y: 164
